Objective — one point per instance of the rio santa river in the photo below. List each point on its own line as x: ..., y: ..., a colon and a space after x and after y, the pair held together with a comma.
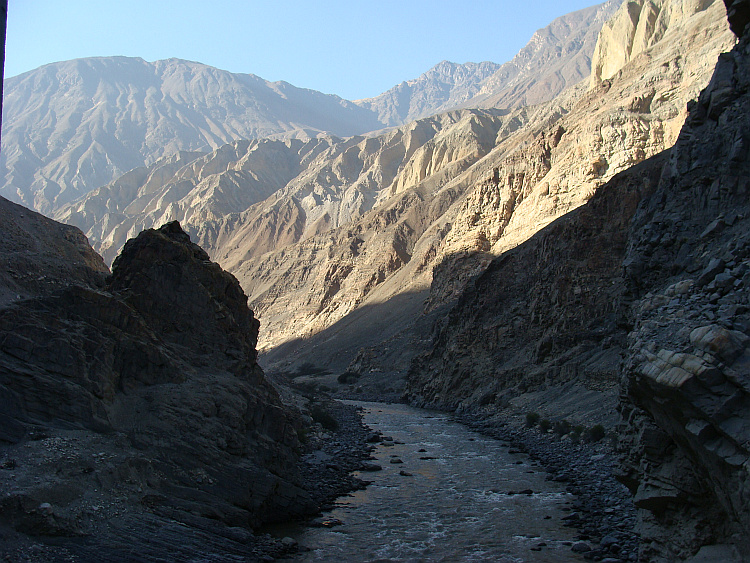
x: 447, y: 501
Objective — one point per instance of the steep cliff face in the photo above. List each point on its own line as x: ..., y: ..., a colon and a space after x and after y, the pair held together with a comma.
x: 637, y: 26
x: 642, y: 289
x: 686, y: 400
x: 146, y: 385
x: 542, y: 315
x: 598, y: 134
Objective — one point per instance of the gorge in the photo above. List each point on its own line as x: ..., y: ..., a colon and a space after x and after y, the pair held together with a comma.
x: 524, y: 239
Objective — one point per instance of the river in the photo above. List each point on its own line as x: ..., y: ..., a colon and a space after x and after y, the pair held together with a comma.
x: 449, y: 500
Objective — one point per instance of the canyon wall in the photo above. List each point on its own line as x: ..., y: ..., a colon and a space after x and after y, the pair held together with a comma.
x: 641, y: 292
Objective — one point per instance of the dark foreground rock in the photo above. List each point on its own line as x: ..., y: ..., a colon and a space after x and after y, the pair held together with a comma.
x: 686, y: 392
x: 135, y: 422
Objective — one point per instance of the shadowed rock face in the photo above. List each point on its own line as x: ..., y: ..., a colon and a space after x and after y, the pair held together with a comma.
x: 649, y: 282
x: 189, y: 300
x: 154, y: 370
x: 738, y: 13
x: 40, y: 254
x: 686, y: 396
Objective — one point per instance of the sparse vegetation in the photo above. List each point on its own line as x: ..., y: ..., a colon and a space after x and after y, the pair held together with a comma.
x: 531, y: 419
x: 302, y: 435
x: 323, y: 417
x: 348, y: 377
x: 596, y: 433
x: 575, y: 434
x: 562, y: 427
x: 544, y: 425
x: 308, y: 368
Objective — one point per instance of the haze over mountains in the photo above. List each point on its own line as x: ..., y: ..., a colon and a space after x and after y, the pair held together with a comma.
x: 73, y: 126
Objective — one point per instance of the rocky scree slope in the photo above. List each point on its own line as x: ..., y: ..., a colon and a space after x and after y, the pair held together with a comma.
x: 645, y: 286
x: 685, y: 394
x: 139, y: 398
x: 40, y: 254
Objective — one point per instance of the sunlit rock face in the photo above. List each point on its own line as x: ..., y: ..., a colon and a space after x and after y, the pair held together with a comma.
x: 553, y: 209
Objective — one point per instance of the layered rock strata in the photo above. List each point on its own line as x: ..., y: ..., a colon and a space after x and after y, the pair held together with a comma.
x: 646, y: 286
x: 556, y: 323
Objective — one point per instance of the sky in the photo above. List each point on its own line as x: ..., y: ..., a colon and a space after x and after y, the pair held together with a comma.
x: 353, y: 49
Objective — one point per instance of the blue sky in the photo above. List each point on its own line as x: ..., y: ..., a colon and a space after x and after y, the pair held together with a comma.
x: 353, y: 49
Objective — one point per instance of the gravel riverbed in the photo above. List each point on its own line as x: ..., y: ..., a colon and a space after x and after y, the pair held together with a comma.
x: 603, y: 512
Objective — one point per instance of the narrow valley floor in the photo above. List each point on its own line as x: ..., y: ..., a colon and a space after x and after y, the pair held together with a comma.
x: 447, y: 492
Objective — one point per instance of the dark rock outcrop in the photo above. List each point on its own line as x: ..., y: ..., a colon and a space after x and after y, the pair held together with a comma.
x: 655, y: 271
x: 40, y: 255
x: 686, y: 396
x: 738, y: 13
x: 141, y: 393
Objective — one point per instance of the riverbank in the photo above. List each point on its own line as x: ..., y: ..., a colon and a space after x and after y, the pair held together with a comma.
x: 124, y: 524
x: 603, y: 512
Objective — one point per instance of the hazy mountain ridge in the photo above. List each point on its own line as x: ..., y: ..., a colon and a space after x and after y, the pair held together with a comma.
x: 73, y: 126
x: 306, y: 187
x: 556, y: 56
x: 445, y: 86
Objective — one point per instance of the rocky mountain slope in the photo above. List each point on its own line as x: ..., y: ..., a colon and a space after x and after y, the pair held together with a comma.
x: 362, y: 221
x: 641, y: 292
x: 545, y: 162
x: 73, y: 126
x: 135, y: 396
x: 557, y: 56
x: 685, y: 374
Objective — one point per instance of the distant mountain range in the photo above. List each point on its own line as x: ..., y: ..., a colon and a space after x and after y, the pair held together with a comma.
x: 73, y: 126
x: 556, y: 57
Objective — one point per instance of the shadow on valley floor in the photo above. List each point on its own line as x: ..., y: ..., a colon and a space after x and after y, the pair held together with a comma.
x: 382, y: 337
